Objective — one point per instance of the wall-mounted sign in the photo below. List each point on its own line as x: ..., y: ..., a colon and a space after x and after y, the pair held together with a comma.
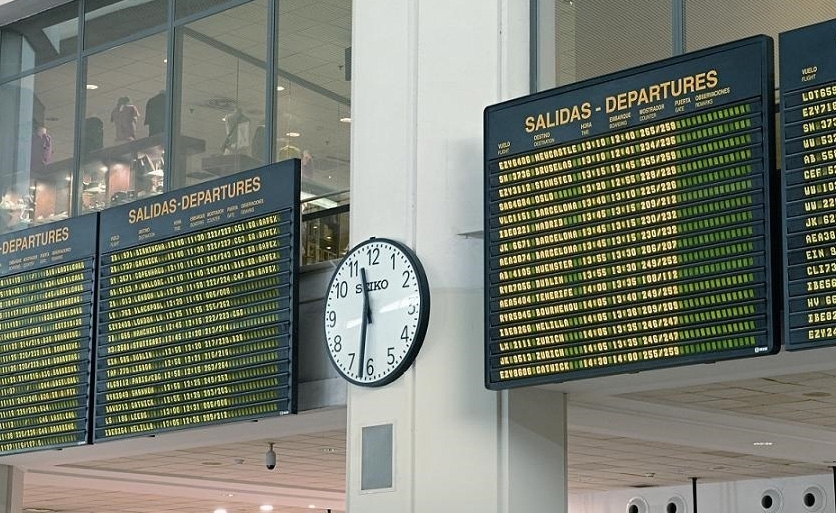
x: 808, y: 129
x: 627, y: 220
x: 47, y: 278
x: 197, y: 305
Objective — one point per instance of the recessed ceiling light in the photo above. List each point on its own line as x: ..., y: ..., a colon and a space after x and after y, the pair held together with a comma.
x: 165, y: 61
x: 220, y: 510
x: 293, y: 134
x: 279, y: 88
x: 266, y: 507
x: 311, y: 506
x: 230, y: 495
x: 763, y: 444
x: 103, y: 169
x: 69, y: 178
x: 345, y: 120
x: 92, y: 87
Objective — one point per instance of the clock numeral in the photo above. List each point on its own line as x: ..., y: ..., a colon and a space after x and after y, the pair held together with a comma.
x: 412, y: 309
x: 353, y: 268
x: 390, y: 356
x: 351, y: 363
x: 405, y: 334
x: 338, y: 343
x: 392, y: 257
x: 332, y: 318
x: 342, y: 289
x: 406, y: 275
x: 374, y: 256
x: 370, y: 367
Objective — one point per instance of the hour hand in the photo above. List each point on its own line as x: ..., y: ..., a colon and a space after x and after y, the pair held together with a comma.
x: 366, y: 318
x: 367, y: 307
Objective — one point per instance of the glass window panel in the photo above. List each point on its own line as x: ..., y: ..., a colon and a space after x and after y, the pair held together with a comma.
x: 313, y: 118
x: 183, y: 8
x: 109, y: 20
x: 593, y: 38
x: 38, y: 40
x: 221, y: 94
x: 744, y: 18
x: 713, y: 22
x: 37, y: 120
x: 324, y: 229
x: 123, y: 130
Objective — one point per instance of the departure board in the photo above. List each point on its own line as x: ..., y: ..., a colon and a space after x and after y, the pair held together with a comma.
x: 627, y: 220
x: 197, y: 305
x: 47, y: 278
x: 808, y: 128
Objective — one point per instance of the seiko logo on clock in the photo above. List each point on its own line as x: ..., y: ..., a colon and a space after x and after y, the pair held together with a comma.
x: 373, y: 285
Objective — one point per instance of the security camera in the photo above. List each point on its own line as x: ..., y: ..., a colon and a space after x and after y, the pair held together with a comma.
x: 270, y: 458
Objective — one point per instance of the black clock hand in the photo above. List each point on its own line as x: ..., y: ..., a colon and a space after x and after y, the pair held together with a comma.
x: 366, y: 300
x: 364, y: 322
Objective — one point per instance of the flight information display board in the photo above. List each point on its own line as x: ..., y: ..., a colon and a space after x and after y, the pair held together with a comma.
x: 627, y: 220
x: 808, y: 128
x: 47, y: 278
x: 197, y: 305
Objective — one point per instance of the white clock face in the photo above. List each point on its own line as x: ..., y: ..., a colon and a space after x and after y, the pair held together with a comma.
x: 376, y: 312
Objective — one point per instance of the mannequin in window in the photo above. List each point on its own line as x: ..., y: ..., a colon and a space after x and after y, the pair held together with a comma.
x: 93, y: 135
x: 11, y: 210
x: 258, y: 142
x: 41, y: 149
x: 124, y: 117
x: 307, y: 165
x: 237, y: 133
x: 155, y: 113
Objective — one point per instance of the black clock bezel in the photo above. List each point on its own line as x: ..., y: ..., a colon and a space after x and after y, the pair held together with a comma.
x: 423, y: 313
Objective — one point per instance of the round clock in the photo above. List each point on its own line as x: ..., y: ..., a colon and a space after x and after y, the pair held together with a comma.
x: 376, y: 312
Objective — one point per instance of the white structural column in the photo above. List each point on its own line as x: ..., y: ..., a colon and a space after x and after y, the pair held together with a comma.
x: 422, y: 73
x: 11, y: 489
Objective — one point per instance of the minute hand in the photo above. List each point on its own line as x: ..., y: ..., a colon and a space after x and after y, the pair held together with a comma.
x: 364, y: 322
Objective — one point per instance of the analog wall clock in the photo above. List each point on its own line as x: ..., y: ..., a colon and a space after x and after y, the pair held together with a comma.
x: 376, y: 312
